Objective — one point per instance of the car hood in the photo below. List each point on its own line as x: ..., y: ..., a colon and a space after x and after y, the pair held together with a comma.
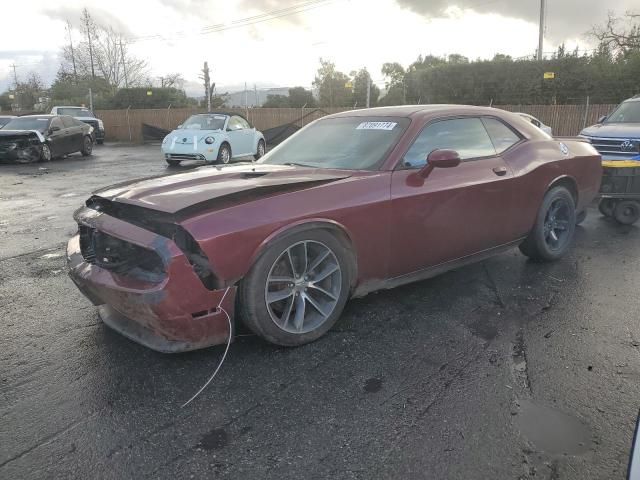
x: 207, y: 187
x: 613, y: 130
x: 21, y: 133
x: 189, y: 133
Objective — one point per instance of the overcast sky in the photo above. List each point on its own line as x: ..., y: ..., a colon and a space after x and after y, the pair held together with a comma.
x: 285, y: 51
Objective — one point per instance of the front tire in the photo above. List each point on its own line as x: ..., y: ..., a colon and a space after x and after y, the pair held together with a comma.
x: 87, y: 146
x: 554, y: 229
x: 224, y: 154
x: 297, y: 289
x: 260, y: 150
x: 173, y: 163
x: 45, y: 153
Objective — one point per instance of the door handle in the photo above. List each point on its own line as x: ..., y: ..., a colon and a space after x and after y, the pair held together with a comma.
x: 500, y: 171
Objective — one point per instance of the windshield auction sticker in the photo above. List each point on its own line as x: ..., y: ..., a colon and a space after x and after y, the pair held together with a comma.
x: 376, y: 126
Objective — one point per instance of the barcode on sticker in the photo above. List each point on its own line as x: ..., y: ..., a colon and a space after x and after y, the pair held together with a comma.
x: 376, y: 126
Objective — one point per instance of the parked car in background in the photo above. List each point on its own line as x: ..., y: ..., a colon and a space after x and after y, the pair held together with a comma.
x: 354, y: 202
x: 84, y: 115
x: 213, y: 138
x: 4, y: 119
x: 617, y: 136
x: 530, y: 118
x: 34, y: 138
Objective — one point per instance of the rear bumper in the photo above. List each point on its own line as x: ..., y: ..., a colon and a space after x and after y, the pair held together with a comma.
x: 175, y: 315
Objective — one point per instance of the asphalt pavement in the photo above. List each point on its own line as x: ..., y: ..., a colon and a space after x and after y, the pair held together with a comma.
x: 506, y: 369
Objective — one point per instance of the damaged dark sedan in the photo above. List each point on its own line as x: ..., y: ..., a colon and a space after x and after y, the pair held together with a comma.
x: 39, y: 138
x: 354, y: 202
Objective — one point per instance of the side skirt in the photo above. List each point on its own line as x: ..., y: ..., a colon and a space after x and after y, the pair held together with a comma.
x: 374, y: 285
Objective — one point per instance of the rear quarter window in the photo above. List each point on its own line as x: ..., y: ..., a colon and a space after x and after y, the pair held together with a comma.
x: 502, y: 136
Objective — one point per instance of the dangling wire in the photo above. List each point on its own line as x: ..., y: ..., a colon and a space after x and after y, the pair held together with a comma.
x: 223, y: 356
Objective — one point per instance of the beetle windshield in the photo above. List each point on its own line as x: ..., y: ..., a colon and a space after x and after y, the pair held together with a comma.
x: 351, y: 143
x: 28, y: 123
x: 204, y: 122
x: 627, y: 112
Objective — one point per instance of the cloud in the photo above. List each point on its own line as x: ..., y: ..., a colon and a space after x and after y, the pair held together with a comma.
x: 565, y: 18
x: 101, y: 17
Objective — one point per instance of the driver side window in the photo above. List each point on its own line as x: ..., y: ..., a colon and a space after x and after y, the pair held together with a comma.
x: 467, y: 136
x: 56, y: 123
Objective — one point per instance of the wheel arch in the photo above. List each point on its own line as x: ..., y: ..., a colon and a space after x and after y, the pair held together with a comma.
x: 336, y: 228
x: 569, y: 183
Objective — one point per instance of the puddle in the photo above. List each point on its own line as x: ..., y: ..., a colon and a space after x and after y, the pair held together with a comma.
x: 373, y: 385
x: 67, y: 195
x: 553, y: 431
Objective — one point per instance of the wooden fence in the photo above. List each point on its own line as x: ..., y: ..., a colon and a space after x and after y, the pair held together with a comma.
x: 126, y: 125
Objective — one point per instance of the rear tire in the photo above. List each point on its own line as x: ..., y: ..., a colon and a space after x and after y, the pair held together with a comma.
x: 554, y: 229
x: 307, y: 308
x: 627, y: 212
x: 87, y: 146
x: 607, y: 206
x: 100, y: 142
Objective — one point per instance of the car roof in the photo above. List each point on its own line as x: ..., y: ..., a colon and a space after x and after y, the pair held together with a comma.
x: 413, y: 111
x: 635, y: 98
x: 71, y: 106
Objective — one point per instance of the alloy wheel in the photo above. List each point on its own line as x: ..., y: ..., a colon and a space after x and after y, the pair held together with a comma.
x: 303, y: 287
x: 556, y: 224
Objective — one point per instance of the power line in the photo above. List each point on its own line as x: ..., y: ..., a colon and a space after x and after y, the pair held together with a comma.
x: 244, y: 22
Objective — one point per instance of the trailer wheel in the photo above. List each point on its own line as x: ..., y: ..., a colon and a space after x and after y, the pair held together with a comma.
x: 607, y: 207
x: 627, y: 212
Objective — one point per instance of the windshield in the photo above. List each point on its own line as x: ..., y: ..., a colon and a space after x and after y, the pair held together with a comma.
x: 75, y: 112
x: 28, y: 123
x: 4, y: 121
x: 205, y: 122
x: 627, y: 112
x: 351, y: 143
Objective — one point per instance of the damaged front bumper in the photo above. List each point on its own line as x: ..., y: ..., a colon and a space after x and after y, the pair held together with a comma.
x: 168, y: 310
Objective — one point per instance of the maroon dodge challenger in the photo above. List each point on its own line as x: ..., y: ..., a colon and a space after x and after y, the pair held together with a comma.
x: 354, y: 202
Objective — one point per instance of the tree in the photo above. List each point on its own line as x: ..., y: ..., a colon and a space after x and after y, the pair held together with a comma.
x: 360, y: 79
x: 300, y: 97
x: 172, y: 80
x: 138, y: 97
x: 68, y: 89
x: 620, y: 34
x: 104, y: 53
x: 276, y: 101
x: 394, y: 74
x: 333, y: 86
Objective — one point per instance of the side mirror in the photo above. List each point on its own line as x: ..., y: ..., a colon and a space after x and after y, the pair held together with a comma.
x: 440, y: 159
x: 602, y: 119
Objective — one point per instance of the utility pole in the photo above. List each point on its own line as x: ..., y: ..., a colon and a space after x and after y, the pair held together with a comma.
x: 124, y: 65
x: 207, y: 85
x: 73, y: 55
x: 542, y: 28
x: 246, y: 100
x: 255, y: 89
x: 15, y: 75
x: 86, y: 18
x: 368, y: 89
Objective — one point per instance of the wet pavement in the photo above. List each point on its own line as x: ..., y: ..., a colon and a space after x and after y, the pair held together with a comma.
x: 506, y: 369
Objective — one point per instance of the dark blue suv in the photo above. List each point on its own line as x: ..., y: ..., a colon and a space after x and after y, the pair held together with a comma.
x: 617, y: 136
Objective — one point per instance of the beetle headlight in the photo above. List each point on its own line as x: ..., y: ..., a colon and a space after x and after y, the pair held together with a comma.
x: 209, y: 140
